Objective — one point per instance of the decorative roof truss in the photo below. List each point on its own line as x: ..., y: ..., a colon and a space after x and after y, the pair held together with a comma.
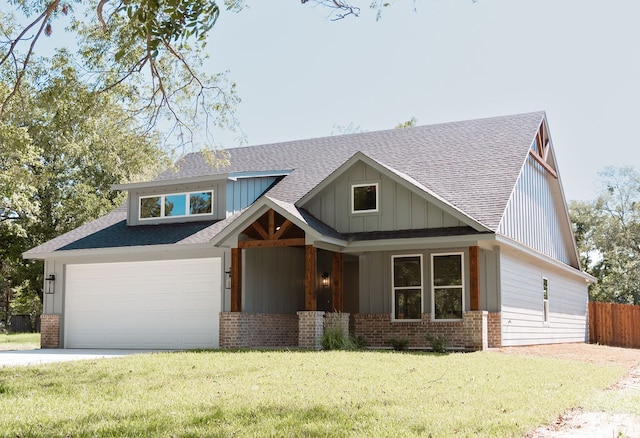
x: 541, y: 150
x: 271, y: 230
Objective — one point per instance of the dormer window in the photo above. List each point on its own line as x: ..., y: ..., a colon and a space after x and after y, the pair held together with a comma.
x: 176, y: 205
x: 364, y: 198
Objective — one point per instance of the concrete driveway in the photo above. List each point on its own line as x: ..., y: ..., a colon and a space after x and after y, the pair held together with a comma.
x: 35, y: 357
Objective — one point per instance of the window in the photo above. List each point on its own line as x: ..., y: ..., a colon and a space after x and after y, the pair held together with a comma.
x: 150, y: 207
x: 364, y: 198
x: 176, y: 205
x: 447, y: 285
x: 407, y: 287
x: 545, y: 300
x: 200, y: 203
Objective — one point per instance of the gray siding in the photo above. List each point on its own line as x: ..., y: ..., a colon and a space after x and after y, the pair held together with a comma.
x: 522, y: 308
x: 218, y: 202
x: 399, y: 208
x: 273, y: 280
x: 243, y: 192
x: 490, y: 280
x: 375, y: 279
x: 535, y: 214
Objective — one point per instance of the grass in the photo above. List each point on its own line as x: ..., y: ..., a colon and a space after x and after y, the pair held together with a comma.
x: 19, y: 341
x: 272, y: 393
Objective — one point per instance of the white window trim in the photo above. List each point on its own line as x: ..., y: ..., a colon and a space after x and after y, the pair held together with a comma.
x: 433, y: 288
x: 545, y: 301
x: 377, y: 209
x: 162, y: 202
x: 394, y: 288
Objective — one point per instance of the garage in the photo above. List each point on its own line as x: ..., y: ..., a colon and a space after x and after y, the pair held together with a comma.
x: 166, y: 304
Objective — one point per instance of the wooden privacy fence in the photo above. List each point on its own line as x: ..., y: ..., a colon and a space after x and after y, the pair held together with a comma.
x: 614, y: 324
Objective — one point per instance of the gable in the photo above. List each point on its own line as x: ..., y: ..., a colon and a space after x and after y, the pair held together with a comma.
x: 398, y: 206
x: 536, y: 214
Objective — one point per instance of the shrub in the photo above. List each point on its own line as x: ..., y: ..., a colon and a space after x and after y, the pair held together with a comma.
x: 359, y: 342
x: 439, y: 343
x: 398, y: 344
x: 334, y: 339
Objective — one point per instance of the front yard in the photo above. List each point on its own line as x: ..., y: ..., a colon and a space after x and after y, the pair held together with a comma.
x: 275, y: 393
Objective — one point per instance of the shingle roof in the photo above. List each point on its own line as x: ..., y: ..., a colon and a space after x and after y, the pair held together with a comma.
x: 119, y: 234
x: 473, y: 164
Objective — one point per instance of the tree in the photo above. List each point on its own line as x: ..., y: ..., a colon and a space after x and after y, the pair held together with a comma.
x: 607, y: 231
x: 62, y: 147
x: 408, y: 124
x: 152, y: 48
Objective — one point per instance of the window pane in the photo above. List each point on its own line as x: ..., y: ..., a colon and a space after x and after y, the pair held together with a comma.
x: 447, y: 270
x: 408, y: 304
x: 175, y: 205
x: 407, y: 272
x: 150, y: 207
x: 448, y: 303
x: 200, y: 203
x: 364, y: 198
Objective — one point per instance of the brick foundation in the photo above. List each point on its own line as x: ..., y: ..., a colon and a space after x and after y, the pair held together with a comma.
x: 494, y: 322
x: 50, y: 331
x: 310, y: 330
x: 378, y: 329
x: 252, y: 330
x: 469, y: 334
x: 337, y: 319
x: 475, y: 330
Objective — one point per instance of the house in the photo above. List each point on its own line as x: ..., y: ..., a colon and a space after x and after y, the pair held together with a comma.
x: 458, y: 229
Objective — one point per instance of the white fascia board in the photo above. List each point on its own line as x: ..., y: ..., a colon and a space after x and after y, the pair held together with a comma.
x: 119, y: 250
x: 170, y: 182
x: 510, y: 244
x: 234, y: 176
x: 260, y: 207
x: 417, y: 243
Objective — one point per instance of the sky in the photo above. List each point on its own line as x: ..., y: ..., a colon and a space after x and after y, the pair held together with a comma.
x: 301, y: 75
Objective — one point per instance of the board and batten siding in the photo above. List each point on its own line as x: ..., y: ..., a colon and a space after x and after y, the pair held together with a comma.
x: 522, y: 304
x: 376, y: 287
x: 399, y: 208
x: 243, y: 192
x: 535, y: 215
x: 273, y: 280
x: 490, y: 280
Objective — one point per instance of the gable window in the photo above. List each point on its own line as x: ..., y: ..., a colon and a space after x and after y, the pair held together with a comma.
x: 364, y: 198
x: 407, y: 287
x: 545, y: 300
x: 176, y: 205
x: 447, y: 285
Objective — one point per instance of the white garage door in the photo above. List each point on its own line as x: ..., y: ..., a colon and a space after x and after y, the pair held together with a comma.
x: 169, y: 304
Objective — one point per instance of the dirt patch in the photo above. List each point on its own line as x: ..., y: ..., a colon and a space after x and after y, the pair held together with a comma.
x: 579, y: 423
x: 596, y: 354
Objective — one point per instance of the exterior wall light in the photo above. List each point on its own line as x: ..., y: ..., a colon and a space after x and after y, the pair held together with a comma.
x: 227, y: 279
x: 51, y: 281
x: 325, y: 280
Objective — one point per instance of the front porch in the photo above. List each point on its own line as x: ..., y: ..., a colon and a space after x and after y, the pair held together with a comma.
x: 284, y: 292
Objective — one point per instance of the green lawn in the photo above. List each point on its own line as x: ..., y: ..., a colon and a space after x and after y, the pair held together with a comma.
x: 19, y: 341
x: 272, y: 393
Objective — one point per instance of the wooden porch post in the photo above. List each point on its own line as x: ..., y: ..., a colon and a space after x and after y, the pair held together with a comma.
x: 474, y: 277
x: 310, y: 274
x: 236, y: 279
x: 337, y: 282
